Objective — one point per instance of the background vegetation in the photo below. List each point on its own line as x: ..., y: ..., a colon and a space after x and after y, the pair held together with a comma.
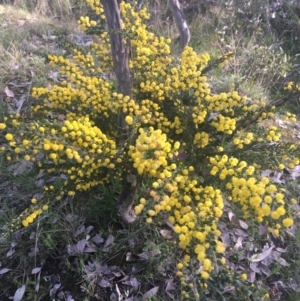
x: 78, y: 249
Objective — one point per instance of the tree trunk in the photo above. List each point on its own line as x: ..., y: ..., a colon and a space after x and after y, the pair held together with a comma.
x: 120, y: 49
x: 181, y: 23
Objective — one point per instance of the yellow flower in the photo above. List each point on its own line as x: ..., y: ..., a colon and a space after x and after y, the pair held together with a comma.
x: 288, y: 222
x: 25, y: 223
x: 279, y: 196
x: 280, y: 211
x: 206, y: 264
x: 200, y: 236
x: 2, y: 126
x: 9, y: 137
x: 268, y: 199
x: 138, y: 209
x: 176, y: 145
x: 142, y: 201
x: 204, y: 275
x: 27, y: 157
x: 53, y: 156
x: 26, y: 142
x: 244, y: 276
x: 155, y: 184
x: 128, y: 119
x: 275, y: 215
x: 219, y: 247
x: 151, y: 212
x: 45, y: 207
x: 47, y: 146
x: 177, y: 229
x: 29, y: 219
x: 266, y: 209
x: 276, y: 232
x: 271, y: 188
x: 33, y: 200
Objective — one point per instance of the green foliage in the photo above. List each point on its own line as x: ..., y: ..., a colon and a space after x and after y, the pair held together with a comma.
x: 57, y: 8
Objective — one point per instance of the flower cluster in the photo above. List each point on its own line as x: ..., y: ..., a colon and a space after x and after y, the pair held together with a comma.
x: 256, y: 197
x: 273, y: 134
x: 293, y: 87
x: 31, y: 214
x: 85, y: 22
x: 290, y: 117
x: 75, y: 152
x: 151, y: 152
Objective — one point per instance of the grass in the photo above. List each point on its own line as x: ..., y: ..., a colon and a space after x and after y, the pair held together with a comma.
x: 26, y: 38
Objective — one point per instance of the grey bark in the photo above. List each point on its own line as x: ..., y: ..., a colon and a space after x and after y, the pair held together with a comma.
x: 120, y: 49
x: 181, y: 24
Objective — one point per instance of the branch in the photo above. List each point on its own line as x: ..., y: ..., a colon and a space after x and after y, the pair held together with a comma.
x: 277, y: 103
x: 181, y: 23
x: 140, y: 4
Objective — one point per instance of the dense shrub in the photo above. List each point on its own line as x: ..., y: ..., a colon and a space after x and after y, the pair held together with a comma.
x: 190, y: 148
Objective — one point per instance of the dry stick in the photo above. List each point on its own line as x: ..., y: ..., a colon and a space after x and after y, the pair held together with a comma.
x: 277, y: 103
x: 181, y: 23
x: 140, y: 4
x: 120, y: 49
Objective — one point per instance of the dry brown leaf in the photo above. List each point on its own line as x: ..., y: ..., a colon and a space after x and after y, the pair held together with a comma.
x: 295, y: 172
x: 232, y: 217
x: 170, y: 286
x: 167, y: 234
x: 36, y: 270
x: 261, y: 256
x: 239, y: 244
x: 104, y: 283
x: 150, y: 293
x: 3, y: 271
x: 19, y: 293
x: 254, y: 267
x: 98, y: 239
x: 54, y: 289
x: 265, y: 269
x: 262, y: 230
x: 240, y: 232
x: 243, y: 224
x: 283, y: 262
x: 11, y: 250
x: 110, y: 239
x: 129, y: 256
x: 226, y: 239
x: 8, y: 92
